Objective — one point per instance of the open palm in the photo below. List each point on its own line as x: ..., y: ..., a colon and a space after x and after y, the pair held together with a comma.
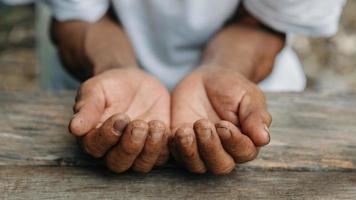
x: 123, y: 114
x: 218, y: 118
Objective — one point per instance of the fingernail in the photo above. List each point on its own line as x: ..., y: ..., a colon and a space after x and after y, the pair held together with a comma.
x: 156, y: 135
x: 204, y: 134
x: 138, y: 134
x: 224, y: 133
x: 119, y: 126
x: 186, y: 139
x: 267, y: 132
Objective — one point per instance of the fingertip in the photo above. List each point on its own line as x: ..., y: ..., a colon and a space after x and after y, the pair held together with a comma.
x: 152, y: 147
x: 203, y: 130
x: 184, y: 136
x: 227, y: 170
x: 90, y: 147
x: 156, y: 131
x: 156, y: 124
x: 268, y: 133
x: 264, y: 135
x: 163, y: 157
x: 185, y: 143
x: 223, y: 130
x: 165, y: 152
x: 239, y: 146
x: 202, y: 124
x: 77, y: 126
x: 120, y: 122
x: 138, y: 123
x: 258, y: 132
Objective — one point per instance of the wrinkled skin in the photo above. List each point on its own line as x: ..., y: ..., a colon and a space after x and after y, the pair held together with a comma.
x: 217, y: 115
x: 123, y: 115
x: 219, y: 118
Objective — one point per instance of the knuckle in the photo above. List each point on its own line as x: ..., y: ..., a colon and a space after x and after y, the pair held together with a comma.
x: 113, y: 165
x: 130, y: 150
x: 249, y: 125
x: 115, y: 162
x: 78, y: 105
x: 244, y: 90
x: 91, y: 149
x: 208, y: 148
x: 142, y: 166
x: 162, y: 158
x: 152, y: 150
x: 189, y: 153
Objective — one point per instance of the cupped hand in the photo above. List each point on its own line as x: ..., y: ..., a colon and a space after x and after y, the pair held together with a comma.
x: 219, y: 118
x: 123, y: 115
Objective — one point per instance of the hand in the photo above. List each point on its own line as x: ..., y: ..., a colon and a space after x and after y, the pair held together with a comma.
x: 218, y: 118
x: 123, y: 115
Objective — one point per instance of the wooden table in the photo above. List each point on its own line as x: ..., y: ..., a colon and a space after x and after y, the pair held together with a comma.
x: 312, y: 155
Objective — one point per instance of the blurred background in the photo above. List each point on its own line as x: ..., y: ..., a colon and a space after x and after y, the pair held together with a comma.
x: 329, y: 63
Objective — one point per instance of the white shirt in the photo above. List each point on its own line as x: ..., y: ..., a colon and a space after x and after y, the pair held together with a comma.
x: 168, y: 36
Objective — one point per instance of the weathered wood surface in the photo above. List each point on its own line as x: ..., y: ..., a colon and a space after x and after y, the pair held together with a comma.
x: 92, y: 183
x: 309, y: 132
x: 312, y: 155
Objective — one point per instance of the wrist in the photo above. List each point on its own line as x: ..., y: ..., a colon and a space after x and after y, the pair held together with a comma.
x: 244, y: 18
x: 218, y: 67
x: 245, y: 49
x: 106, y: 46
x: 100, y: 64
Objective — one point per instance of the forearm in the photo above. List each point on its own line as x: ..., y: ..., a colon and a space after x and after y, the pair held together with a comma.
x: 245, y: 45
x: 88, y: 49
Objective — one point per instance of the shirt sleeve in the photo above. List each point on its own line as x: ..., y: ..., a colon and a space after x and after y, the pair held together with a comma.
x: 86, y: 10
x: 309, y: 17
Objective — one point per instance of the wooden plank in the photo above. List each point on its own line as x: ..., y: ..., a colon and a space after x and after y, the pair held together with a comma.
x: 96, y: 183
x: 310, y: 132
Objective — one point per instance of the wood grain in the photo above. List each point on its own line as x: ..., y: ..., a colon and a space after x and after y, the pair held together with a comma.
x: 92, y: 183
x: 312, y: 155
x: 309, y: 132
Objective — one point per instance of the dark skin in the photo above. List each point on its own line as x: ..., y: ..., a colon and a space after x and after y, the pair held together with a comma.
x: 117, y: 116
x: 214, y: 118
x: 220, y: 99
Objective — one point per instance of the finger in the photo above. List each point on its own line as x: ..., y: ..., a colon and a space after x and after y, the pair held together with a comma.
x: 149, y: 155
x: 122, y: 156
x: 239, y: 146
x: 173, y: 149
x: 255, y: 120
x: 98, y: 141
x: 188, y: 150
x: 88, y: 109
x: 210, y: 148
x: 164, y: 154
